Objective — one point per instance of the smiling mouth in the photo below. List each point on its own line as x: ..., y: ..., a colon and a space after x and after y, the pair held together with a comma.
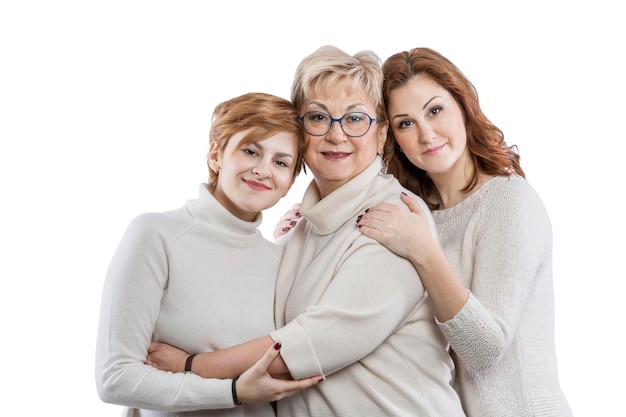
x: 256, y: 185
x: 337, y: 155
x: 434, y: 150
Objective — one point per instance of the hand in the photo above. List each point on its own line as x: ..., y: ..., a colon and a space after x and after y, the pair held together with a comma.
x: 406, y: 233
x: 257, y: 385
x: 166, y: 357
x: 287, y: 221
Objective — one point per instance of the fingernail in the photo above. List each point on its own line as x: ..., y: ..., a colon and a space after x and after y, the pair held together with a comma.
x: 404, y: 193
x: 297, y: 214
x: 285, y: 229
x: 358, y: 219
x: 277, y: 345
x: 366, y: 210
x: 293, y: 223
x: 320, y: 380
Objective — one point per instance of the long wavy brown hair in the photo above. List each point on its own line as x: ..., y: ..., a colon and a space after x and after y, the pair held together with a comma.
x: 489, y: 153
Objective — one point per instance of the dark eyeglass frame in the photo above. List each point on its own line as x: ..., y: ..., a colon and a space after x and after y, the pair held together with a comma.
x: 333, y: 120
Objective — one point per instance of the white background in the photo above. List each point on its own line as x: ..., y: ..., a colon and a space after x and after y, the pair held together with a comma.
x: 104, y: 114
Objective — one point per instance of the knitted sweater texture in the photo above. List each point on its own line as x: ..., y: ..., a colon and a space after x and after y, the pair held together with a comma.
x: 198, y: 278
x: 358, y: 314
x: 499, y: 242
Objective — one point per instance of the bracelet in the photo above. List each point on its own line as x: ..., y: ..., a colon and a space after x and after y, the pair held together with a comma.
x: 188, y: 362
x: 234, y: 390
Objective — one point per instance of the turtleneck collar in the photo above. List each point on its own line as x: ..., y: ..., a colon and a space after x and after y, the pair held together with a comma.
x: 208, y: 210
x: 328, y: 214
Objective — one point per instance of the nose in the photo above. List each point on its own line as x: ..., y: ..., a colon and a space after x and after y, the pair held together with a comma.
x: 262, y: 169
x: 426, y: 133
x: 336, y: 133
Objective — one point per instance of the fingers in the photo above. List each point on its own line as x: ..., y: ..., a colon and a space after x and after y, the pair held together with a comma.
x: 287, y: 221
x: 268, y: 357
x: 292, y: 214
x: 411, y: 203
x: 288, y: 388
x: 283, y: 227
x: 256, y: 384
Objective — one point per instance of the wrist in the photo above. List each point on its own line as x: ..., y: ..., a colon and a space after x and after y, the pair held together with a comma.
x: 189, y: 363
x: 234, y: 392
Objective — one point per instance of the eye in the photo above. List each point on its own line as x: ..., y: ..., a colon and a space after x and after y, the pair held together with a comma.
x: 249, y: 151
x: 435, y: 111
x: 281, y: 163
x: 353, y: 118
x: 317, y: 117
x: 404, y: 124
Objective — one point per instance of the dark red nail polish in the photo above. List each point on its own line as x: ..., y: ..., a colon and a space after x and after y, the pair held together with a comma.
x: 366, y: 210
x: 298, y: 214
x: 358, y: 219
x: 285, y: 229
x: 277, y: 345
x: 293, y: 223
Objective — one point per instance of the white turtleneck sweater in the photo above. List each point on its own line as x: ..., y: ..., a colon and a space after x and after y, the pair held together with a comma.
x: 357, y: 313
x: 198, y: 278
x: 499, y: 242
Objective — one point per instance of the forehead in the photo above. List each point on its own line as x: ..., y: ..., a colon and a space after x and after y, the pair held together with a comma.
x: 339, y: 97
x: 419, y: 88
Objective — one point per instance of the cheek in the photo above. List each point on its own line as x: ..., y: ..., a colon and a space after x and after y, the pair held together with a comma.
x: 309, y: 155
x: 284, y: 181
x: 404, y: 143
x: 460, y: 136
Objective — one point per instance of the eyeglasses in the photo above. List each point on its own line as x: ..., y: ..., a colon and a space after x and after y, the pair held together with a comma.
x: 356, y: 124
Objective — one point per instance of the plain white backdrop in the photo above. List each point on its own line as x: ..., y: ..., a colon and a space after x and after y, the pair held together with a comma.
x: 105, y: 110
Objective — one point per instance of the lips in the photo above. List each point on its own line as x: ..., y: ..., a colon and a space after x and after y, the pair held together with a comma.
x: 336, y: 155
x: 434, y: 151
x: 257, y: 186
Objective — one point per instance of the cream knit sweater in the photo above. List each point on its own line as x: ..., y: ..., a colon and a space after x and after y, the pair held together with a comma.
x: 198, y: 278
x: 499, y: 242
x: 358, y: 314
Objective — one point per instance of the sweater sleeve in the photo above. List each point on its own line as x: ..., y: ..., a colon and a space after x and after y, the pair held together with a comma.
x: 372, y: 293
x: 135, y: 283
x: 511, y: 242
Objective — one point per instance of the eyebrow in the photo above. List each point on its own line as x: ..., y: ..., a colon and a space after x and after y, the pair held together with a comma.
x: 428, y: 102
x: 423, y: 107
x: 279, y: 154
x: 350, y: 107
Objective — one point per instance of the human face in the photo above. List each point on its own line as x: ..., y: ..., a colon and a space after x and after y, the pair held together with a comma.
x: 335, y: 158
x: 253, y: 176
x: 429, y: 127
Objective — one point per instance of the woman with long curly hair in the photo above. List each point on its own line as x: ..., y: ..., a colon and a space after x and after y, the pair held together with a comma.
x: 490, y: 276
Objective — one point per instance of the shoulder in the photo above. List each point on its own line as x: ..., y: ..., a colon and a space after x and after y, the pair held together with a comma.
x: 512, y: 193
x: 512, y: 201
x: 154, y: 224
x: 389, y: 189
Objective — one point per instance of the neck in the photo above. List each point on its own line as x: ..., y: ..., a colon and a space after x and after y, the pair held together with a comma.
x: 450, y: 185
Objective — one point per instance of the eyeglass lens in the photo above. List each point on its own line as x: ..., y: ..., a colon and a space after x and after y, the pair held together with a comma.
x: 353, y: 124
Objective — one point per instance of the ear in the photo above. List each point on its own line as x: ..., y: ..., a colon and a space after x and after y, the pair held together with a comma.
x: 382, y: 136
x: 214, y: 158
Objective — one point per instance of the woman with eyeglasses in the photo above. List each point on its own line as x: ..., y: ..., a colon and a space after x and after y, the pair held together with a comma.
x: 346, y: 307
